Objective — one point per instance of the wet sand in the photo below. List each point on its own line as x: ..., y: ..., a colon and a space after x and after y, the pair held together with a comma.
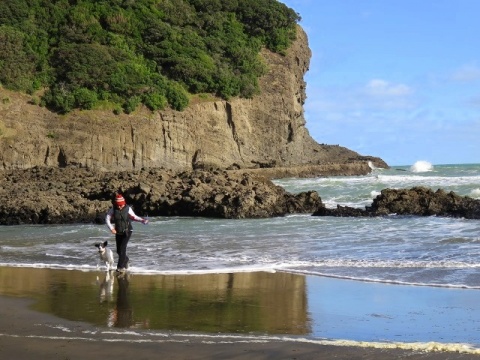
x: 26, y: 334
x: 29, y: 334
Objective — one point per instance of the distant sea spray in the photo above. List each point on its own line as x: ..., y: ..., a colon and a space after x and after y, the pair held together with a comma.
x: 421, y: 166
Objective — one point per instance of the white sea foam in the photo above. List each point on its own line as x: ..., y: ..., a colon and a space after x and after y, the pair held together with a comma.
x: 268, y: 263
x: 475, y: 193
x: 395, y: 263
x: 421, y: 166
x: 62, y: 256
x: 51, y: 266
x: 432, y: 346
x: 126, y: 332
x: 59, y: 327
x: 416, y: 346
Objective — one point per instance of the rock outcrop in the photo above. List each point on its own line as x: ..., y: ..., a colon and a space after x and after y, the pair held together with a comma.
x: 74, y: 195
x: 267, y: 131
x: 42, y: 195
x: 418, y: 201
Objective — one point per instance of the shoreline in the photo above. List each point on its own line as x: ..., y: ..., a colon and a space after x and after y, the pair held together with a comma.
x: 26, y: 333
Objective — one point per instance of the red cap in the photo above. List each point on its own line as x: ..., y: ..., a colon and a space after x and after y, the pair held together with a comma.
x: 119, y: 200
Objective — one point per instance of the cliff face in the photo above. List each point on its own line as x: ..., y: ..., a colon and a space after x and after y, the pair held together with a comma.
x: 267, y: 131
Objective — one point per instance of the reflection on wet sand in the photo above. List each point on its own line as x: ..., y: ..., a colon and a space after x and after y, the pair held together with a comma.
x: 272, y: 303
x: 106, y: 286
x: 123, y: 313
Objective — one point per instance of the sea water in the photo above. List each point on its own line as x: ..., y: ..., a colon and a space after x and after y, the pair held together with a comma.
x: 402, y: 251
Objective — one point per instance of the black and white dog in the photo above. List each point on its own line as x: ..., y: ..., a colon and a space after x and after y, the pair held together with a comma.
x: 106, y: 255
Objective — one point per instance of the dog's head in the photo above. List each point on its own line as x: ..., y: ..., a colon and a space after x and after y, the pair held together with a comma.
x: 102, y: 246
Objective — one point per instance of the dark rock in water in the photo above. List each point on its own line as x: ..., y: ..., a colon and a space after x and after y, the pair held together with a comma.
x: 341, y: 211
x: 78, y: 195
x: 419, y: 201
x: 424, y: 201
x: 72, y: 195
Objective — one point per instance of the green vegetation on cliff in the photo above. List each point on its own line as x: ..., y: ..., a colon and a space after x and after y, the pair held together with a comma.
x: 128, y: 52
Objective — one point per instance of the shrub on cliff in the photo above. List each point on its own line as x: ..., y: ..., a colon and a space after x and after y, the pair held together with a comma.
x: 153, y: 50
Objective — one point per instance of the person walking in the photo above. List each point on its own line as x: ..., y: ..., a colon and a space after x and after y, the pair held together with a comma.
x: 119, y: 220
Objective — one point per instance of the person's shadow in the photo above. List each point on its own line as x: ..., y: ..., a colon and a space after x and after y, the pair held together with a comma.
x: 124, y: 309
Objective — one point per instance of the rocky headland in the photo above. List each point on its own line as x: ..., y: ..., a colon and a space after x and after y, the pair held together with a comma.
x: 265, y: 132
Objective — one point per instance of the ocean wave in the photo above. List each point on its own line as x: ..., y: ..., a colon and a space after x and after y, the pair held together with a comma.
x: 475, y: 193
x: 145, y: 271
x: 358, y: 190
x: 62, y: 256
x: 377, y: 264
x: 459, y: 240
x: 234, y: 263
x: 51, y: 266
x: 421, y: 166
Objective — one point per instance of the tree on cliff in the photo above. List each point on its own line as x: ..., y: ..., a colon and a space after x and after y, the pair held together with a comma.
x: 127, y: 52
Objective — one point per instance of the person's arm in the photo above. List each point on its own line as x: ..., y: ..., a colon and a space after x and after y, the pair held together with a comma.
x: 108, y: 218
x: 134, y: 217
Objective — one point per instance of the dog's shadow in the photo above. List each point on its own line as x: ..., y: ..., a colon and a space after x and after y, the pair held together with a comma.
x: 105, y: 293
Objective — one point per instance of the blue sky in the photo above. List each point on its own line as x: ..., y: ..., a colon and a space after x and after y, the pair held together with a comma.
x: 397, y: 79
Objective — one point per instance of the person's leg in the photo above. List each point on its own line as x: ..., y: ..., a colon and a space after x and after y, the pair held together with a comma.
x: 122, y: 242
x: 118, y: 241
x: 127, y: 239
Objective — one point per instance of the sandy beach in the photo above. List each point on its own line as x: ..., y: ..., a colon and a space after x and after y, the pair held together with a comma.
x: 30, y: 327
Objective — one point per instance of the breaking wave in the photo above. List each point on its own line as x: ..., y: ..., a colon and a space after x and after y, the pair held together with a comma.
x: 421, y: 166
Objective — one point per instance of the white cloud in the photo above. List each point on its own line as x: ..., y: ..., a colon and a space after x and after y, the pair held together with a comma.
x: 467, y: 73
x: 379, y: 87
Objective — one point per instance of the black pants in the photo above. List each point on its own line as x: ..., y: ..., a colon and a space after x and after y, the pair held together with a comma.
x: 122, y: 242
